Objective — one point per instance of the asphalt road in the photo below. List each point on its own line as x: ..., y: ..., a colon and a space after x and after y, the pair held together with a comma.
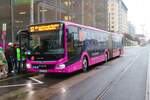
x: 123, y: 78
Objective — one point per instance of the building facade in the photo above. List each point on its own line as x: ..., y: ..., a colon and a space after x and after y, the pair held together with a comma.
x: 113, y: 8
x: 18, y: 14
x: 117, y: 16
x: 123, y: 22
x: 5, y: 18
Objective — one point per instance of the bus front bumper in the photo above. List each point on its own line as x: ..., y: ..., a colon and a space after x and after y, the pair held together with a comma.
x: 61, y: 69
x: 31, y: 70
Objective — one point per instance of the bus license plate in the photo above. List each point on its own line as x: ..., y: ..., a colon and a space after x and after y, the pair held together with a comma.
x: 43, y: 71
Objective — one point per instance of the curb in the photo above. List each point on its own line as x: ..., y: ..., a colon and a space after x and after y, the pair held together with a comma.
x: 131, y: 46
x: 147, y: 96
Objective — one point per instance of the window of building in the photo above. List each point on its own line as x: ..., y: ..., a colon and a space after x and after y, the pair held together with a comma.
x: 112, y: 18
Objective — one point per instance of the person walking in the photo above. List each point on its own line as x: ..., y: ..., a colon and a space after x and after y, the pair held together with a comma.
x: 16, y: 59
x: 18, y: 54
x: 11, y: 58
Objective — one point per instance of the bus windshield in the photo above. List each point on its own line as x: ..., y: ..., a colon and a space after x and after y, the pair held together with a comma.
x: 49, y: 42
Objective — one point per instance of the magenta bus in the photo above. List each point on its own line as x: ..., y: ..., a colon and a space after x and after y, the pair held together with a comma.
x: 66, y: 47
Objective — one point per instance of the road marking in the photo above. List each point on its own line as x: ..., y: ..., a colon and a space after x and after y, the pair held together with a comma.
x: 18, y: 85
x: 27, y: 84
x: 38, y: 76
x: 147, y: 97
x: 38, y: 81
x: 116, y: 79
x: 18, y: 76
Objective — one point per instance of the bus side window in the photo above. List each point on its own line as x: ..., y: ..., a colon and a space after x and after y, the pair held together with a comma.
x: 68, y: 35
x: 72, y: 33
x: 73, y: 38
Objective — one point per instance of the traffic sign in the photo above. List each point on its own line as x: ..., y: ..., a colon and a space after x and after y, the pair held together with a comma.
x: 4, y: 27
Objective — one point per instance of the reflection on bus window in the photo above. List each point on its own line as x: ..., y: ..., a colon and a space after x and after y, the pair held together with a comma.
x: 47, y: 42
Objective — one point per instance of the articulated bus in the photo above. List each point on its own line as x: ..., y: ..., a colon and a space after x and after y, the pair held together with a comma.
x: 66, y: 47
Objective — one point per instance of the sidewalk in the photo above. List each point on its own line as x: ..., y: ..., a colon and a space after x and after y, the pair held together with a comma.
x: 131, y: 46
x: 147, y: 96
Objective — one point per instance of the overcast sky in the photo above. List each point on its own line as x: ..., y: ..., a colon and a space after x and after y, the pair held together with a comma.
x: 139, y: 14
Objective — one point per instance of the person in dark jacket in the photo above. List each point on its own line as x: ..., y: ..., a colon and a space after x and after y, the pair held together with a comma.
x: 11, y: 58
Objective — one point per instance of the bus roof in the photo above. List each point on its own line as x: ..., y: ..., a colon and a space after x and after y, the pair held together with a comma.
x: 93, y: 28
x: 89, y: 27
x: 72, y: 23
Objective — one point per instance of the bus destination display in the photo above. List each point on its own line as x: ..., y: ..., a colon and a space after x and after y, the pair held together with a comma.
x: 41, y: 28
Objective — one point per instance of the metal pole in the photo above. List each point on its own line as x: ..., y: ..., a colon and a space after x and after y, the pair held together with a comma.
x: 32, y: 12
x: 56, y: 10
x: 83, y: 12
x: 106, y: 14
x: 43, y: 13
x: 4, y: 47
x: 69, y: 10
x: 108, y: 21
x: 60, y: 9
x: 4, y: 29
x: 38, y: 16
x: 12, y: 20
x: 94, y: 14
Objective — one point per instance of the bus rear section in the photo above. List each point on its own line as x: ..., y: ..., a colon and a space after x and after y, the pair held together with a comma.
x: 115, y: 45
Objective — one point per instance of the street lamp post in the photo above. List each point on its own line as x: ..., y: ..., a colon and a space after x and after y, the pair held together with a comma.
x: 12, y: 19
x: 109, y: 22
x: 60, y: 10
x: 82, y: 11
x: 94, y: 13
x: 32, y: 12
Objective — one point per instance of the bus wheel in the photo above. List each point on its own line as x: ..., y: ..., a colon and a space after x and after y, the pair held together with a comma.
x: 84, y: 64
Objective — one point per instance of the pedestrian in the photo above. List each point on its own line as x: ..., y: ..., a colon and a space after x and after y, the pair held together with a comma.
x: 11, y: 58
x: 23, y: 58
x: 18, y: 58
x: 16, y: 62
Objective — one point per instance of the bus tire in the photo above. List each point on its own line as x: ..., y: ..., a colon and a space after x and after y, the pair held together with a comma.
x: 85, y: 64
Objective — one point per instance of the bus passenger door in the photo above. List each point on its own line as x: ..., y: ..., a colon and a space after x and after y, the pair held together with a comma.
x: 73, y: 47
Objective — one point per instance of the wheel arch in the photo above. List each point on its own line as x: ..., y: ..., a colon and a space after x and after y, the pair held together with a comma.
x: 107, y: 52
x: 85, y: 54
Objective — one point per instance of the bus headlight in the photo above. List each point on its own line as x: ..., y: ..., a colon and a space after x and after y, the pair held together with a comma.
x: 28, y: 52
x: 28, y: 65
x: 61, y: 66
